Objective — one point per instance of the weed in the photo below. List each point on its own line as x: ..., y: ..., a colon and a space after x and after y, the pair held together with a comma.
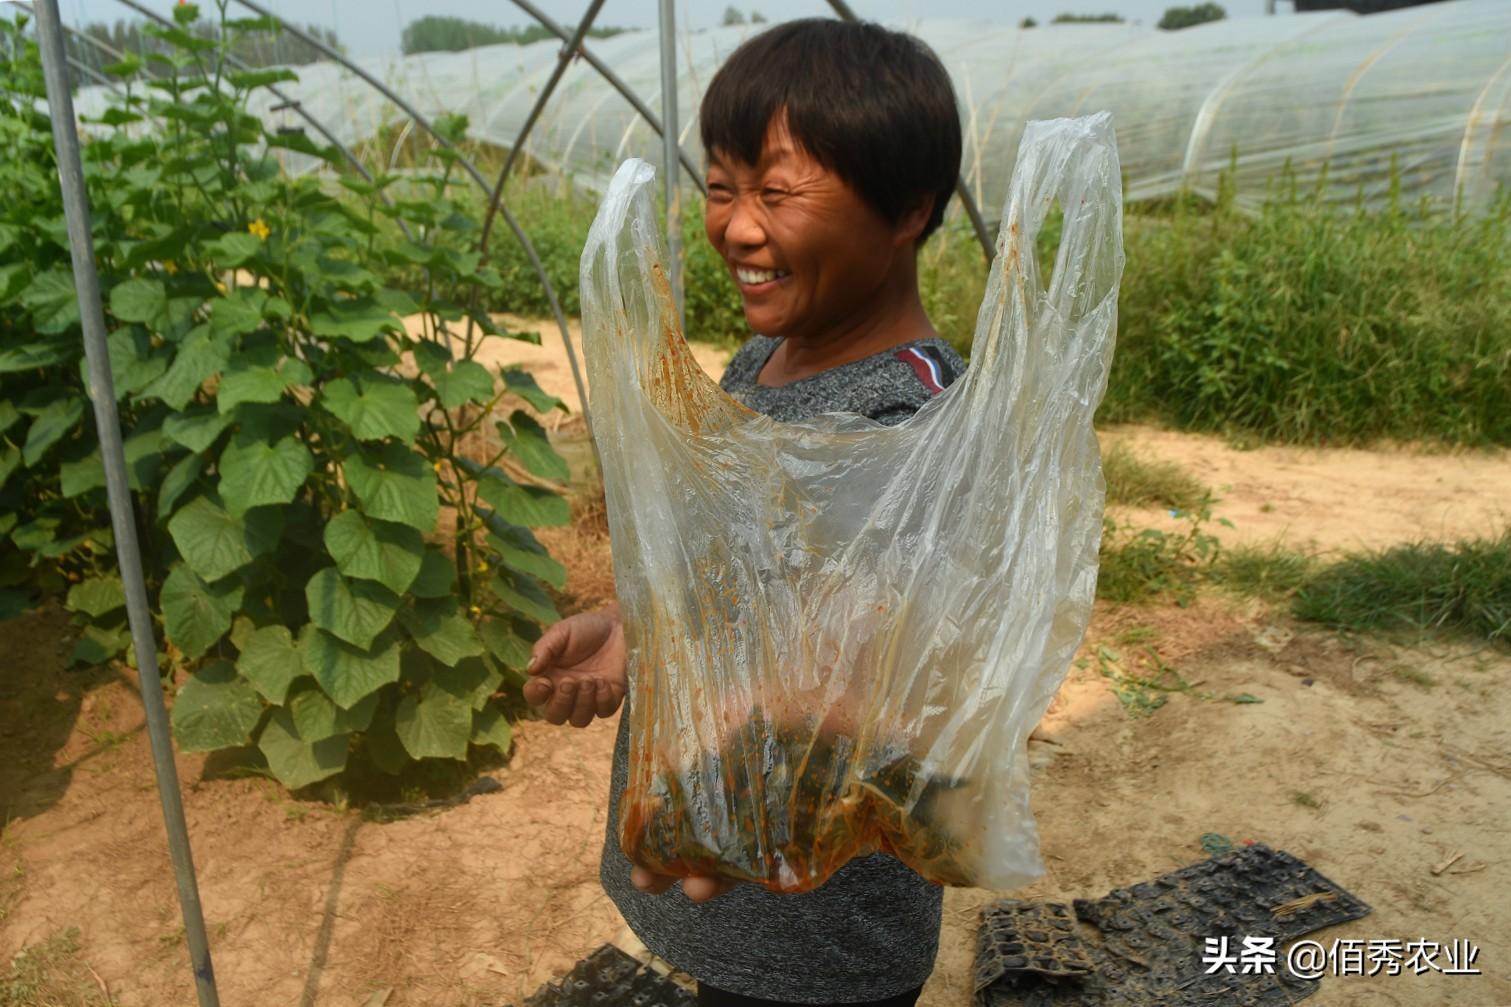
x: 1462, y: 588
x: 1138, y: 482
x: 1134, y: 635
x: 1305, y: 799
x: 51, y: 974
x: 1268, y: 572
x: 1141, y: 694
x: 1313, y: 323
x: 1150, y: 564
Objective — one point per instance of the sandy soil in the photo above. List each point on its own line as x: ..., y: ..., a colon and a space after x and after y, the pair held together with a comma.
x: 1376, y: 763
x: 1328, y: 499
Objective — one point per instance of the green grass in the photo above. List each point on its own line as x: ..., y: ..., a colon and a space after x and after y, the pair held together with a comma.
x: 51, y: 974
x: 1270, y: 572
x: 1463, y: 588
x: 1141, y: 565
x: 1138, y: 482
x: 1311, y: 323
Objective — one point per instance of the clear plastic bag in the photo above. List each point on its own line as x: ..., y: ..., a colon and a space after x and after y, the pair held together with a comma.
x: 840, y: 634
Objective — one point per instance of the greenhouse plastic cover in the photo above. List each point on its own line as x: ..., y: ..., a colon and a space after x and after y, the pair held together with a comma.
x: 1428, y: 85
x: 840, y: 633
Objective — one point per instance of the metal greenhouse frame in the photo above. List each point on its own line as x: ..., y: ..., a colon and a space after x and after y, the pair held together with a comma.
x: 56, y: 65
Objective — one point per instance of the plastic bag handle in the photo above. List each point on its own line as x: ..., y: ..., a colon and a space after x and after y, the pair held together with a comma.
x: 1073, y: 162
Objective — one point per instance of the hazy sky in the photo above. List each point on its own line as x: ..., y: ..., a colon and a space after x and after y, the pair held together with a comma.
x: 371, y: 27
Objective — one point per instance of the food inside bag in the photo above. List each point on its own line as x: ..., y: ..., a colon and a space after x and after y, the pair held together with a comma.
x: 840, y: 634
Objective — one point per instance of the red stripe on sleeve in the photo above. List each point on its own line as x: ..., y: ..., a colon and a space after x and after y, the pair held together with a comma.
x: 921, y: 367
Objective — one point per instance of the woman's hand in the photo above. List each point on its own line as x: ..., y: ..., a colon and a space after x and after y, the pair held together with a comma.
x: 577, y: 668
x: 698, y: 888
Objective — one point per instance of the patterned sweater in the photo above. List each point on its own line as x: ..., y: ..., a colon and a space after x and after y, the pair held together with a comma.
x: 872, y: 930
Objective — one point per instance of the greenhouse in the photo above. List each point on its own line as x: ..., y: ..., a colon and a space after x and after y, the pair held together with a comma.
x: 1428, y: 88
x: 295, y: 502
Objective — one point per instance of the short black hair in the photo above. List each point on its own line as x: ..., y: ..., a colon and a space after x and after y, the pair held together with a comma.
x: 872, y: 105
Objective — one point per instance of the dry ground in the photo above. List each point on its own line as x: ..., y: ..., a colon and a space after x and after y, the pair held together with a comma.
x: 1374, y: 762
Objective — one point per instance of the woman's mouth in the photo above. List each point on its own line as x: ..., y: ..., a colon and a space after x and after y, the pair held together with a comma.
x: 756, y: 280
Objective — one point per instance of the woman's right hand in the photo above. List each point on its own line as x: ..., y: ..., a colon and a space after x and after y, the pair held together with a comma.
x: 576, y: 668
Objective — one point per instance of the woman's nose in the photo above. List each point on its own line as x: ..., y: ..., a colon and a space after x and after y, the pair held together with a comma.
x: 743, y: 228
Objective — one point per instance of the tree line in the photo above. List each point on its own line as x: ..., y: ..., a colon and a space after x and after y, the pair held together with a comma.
x: 434, y: 33
x: 255, y: 48
x: 1174, y: 18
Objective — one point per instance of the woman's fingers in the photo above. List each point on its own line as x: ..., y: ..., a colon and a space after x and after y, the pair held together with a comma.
x: 586, y: 707
x: 650, y: 882
x: 537, y: 690
x: 609, y: 698
x: 572, y: 699
x: 698, y: 888
x: 562, y: 702
x: 703, y: 888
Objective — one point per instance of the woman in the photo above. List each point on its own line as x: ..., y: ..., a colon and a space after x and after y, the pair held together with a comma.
x: 832, y: 150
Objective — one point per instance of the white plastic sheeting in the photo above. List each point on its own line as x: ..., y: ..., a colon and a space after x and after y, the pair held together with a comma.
x: 1429, y: 86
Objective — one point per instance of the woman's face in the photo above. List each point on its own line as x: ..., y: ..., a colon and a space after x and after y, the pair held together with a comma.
x: 807, y: 254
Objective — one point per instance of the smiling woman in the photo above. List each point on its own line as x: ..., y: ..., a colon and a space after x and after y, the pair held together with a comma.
x: 832, y: 150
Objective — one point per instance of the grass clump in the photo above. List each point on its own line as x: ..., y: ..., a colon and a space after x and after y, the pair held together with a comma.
x: 1138, y: 482
x: 1462, y: 588
x: 1270, y: 572
x: 51, y: 974
x: 1150, y: 564
x: 1313, y: 323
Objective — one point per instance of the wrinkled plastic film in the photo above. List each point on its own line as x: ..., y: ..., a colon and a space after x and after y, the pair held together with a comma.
x: 840, y: 634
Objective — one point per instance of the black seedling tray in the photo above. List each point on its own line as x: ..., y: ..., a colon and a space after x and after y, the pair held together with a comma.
x: 610, y: 978
x: 1144, y: 944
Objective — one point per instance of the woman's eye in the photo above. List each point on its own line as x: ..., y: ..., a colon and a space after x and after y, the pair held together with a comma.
x: 772, y: 192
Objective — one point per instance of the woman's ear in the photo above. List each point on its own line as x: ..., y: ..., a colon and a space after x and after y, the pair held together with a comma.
x: 914, y: 220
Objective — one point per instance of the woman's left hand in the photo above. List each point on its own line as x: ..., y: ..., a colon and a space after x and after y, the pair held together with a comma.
x: 698, y: 888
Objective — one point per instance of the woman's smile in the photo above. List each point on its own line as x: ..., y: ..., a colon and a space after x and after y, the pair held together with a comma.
x: 754, y: 281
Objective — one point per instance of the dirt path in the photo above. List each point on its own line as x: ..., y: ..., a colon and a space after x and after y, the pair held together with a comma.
x: 1338, y: 498
x: 1374, y: 763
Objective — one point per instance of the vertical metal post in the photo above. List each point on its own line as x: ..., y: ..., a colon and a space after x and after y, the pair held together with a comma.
x: 669, y: 147
x: 65, y: 139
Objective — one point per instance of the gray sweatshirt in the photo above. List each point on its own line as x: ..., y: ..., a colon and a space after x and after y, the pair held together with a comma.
x: 872, y: 930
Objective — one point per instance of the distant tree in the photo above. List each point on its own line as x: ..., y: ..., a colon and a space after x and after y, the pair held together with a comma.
x: 756, y: 17
x: 732, y: 16
x: 1088, y: 19
x: 1028, y: 22
x: 434, y: 33
x: 1177, y: 18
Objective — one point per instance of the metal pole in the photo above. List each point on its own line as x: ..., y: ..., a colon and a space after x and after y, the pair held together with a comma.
x: 92, y: 73
x: 669, y: 149
x: 618, y: 85
x: 966, y: 199
x: 107, y: 422
x: 567, y: 52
